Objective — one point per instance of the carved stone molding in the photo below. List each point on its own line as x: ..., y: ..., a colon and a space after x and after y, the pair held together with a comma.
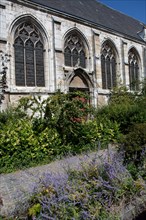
x: 4, y: 59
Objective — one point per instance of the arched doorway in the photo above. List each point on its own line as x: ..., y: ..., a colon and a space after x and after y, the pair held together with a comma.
x: 79, y: 82
x: 80, y: 86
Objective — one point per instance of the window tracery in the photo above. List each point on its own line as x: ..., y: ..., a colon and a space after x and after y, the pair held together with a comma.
x: 29, y: 58
x: 74, y: 52
x: 133, y: 70
x: 108, y: 66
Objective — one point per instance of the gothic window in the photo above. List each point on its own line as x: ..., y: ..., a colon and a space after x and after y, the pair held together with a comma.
x: 133, y: 70
x: 108, y: 66
x: 74, y: 52
x: 29, y: 57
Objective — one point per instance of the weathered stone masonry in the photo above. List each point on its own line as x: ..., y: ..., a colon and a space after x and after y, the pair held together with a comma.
x: 71, y: 45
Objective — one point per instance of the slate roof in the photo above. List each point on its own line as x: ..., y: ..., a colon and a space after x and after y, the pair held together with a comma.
x: 97, y: 14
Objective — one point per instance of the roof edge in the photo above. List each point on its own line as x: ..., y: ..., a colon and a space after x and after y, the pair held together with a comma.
x: 81, y: 20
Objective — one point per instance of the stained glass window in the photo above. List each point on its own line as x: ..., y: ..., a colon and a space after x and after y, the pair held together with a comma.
x: 133, y: 70
x: 108, y: 66
x: 74, y: 51
x: 29, y: 56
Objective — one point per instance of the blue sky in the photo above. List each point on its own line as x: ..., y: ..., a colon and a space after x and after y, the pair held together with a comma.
x: 133, y: 8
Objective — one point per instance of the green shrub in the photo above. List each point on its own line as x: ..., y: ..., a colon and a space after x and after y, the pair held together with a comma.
x: 21, y: 147
x: 133, y: 143
x: 11, y: 114
x: 125, y: 108
x: 64, y: 112
x: 55, y: 127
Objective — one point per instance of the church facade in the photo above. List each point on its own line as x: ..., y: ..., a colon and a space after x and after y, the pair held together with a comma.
x: 69, y: 45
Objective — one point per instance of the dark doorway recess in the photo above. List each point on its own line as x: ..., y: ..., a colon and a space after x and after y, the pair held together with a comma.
x: 142, y: 216
x: 72, y: 89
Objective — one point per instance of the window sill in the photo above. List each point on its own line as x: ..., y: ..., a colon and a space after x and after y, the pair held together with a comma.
x: 103, y: 91
x: 29, y: 90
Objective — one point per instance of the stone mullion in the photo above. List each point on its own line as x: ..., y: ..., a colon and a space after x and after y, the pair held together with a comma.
x: 122, y: 60
x: 106, y: 72
x: 111, y: 73
x: 35, y: 66
x: 24, y: 65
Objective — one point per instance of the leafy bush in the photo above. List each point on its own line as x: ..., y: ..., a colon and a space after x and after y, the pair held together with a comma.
x: 125, y: 108
x: 21, y: 147
x: 70, y: 114
x: 63, y: 112
x: 39, y: 130
x: 137, y: 171
x: 11, y: 114
x: 134, y: 144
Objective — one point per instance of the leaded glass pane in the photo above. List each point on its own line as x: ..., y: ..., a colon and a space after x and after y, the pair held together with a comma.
x: 30, y: 75
x: 82, y: 59
x: 103, y: 72
x: 67, y: 55
x: 133, y: 70
x: 19, y: 62
x: 131, y: 76
x: 108, y: 71
x: 74, y: 53
x: 40, y: 81
x: 136, y: 76
x: 108, y: 67
x: 75, y: 57
x: 29, y: 54
x: 113, y: 66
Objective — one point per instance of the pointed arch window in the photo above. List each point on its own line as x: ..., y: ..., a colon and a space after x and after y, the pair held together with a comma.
x: 108, y: 66
x: 133, y: 70
x: 74, y: 51
x: 29, y: 56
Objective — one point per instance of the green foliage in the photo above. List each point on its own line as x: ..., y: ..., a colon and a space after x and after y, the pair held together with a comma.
x: 66, y: 123
x: 11, y: 114
x: 134, y: 144
x: 125, y: 108
x: 137, y: 170
x: 35, y: 209
x: 128, y: 110
x: 39, y: 130
x: 103, y: 131
x: 136, y: 137
x: 109, y: 131
x: 64, y: 112
x: 21, y: 147
x: 54, y: 127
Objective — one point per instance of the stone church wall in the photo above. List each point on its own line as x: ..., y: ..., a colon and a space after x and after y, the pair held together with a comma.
x: 54, y: 29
